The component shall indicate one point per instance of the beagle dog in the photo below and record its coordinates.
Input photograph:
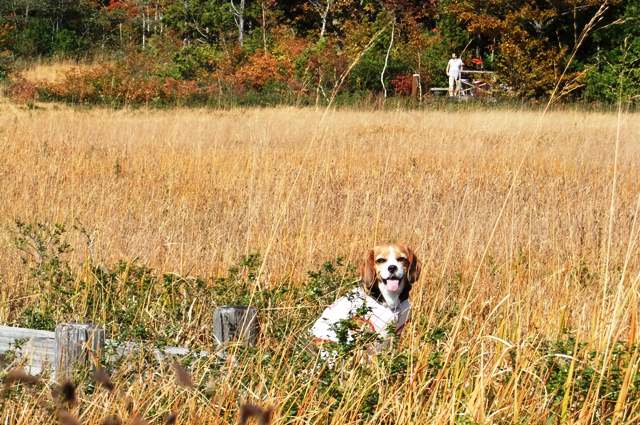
(381, 303)
(387, 273)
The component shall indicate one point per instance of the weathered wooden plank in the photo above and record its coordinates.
(73, 344)
(76, 344)
(16, 333)
(36, 348)
(464, 71)
(236, 323)
(123, 349)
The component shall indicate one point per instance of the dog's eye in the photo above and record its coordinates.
(402, 259)
(380, 260)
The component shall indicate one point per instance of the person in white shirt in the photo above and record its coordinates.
(454, 70)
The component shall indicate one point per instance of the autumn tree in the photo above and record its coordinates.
(313, 46)
(532, 40)
(6, 55)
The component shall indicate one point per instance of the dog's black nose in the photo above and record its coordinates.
(392, 268)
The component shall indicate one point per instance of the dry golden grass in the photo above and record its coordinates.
(514, 208)
(51, 72)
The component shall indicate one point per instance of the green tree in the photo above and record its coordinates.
(613, 72)
(48, 27)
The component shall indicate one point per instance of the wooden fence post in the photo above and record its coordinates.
(416, 89)
(75, 342)
(236, 323)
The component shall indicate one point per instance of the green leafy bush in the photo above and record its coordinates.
(614, 75)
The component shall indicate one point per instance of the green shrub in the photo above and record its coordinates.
(66, 42)
(616, 76)
(613, 74)
(34, 38)
(192, 61)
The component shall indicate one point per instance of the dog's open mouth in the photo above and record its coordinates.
(392, 284)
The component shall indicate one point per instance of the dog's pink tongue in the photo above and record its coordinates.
(393, 285)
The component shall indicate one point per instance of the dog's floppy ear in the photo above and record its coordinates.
(414, 266)
(368, 271)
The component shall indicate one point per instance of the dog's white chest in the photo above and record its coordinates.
(359, 306)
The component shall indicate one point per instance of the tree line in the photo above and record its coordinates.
(306, 49)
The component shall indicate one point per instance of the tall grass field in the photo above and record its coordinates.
(144, 221)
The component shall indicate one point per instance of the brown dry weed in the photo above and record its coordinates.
(191, 191)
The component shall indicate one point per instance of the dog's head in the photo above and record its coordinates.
(393, 267)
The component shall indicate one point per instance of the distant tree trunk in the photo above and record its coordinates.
(158, 19)
(238, 17)
(323, 10)
(264, 27)
(146, 24)
(325, 14)
(386, 58)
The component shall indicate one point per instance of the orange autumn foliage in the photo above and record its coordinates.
(263, 68)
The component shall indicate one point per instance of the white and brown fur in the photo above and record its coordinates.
(387, 275)
(385, 263)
